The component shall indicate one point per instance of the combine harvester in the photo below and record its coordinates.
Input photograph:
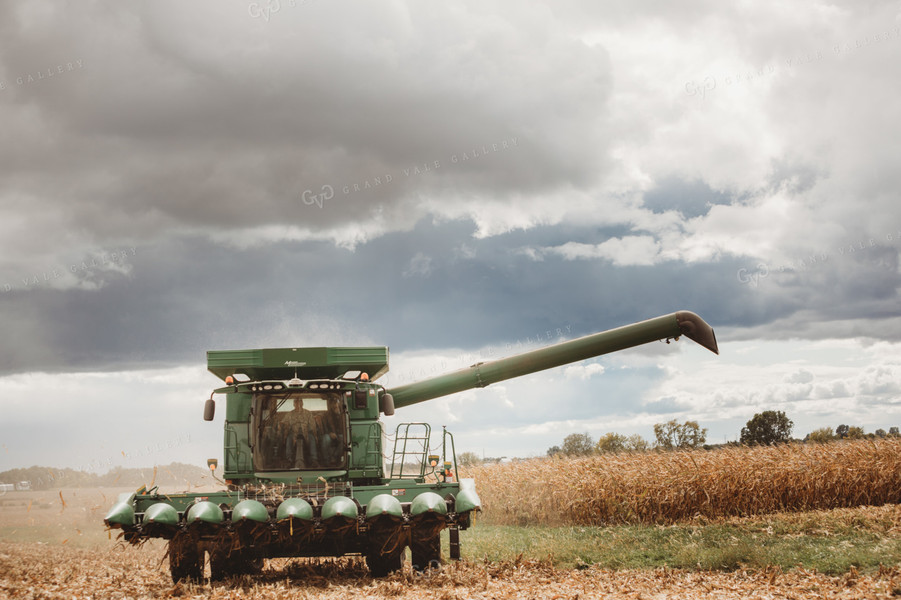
(306, 459)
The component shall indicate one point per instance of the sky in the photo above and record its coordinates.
(458, 182)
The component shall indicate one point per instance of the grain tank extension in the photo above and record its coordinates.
(310, 471)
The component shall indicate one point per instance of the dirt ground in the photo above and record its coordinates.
(36, 570)
(52, 545)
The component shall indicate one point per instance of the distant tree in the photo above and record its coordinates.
(880, 433)
(893, 431)
(469, 459)
(768, 427)
(554, 451)
(611, 442)
(577, 444)
(672, 435)
(855, 433)
(821, 435)
(637, 443)
(841, 432)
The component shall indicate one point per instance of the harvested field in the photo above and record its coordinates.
(669, 487)
(53, 545)
(50, 572)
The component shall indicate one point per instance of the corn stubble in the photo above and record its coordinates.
(668, 487)
(654, 488)
(51, 572)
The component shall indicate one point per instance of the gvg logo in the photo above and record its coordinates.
(695, 89)
(309, 198)
(271, 7)
(754, 276)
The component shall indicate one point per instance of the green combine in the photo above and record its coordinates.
(310, 470)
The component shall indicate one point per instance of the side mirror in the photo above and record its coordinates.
(209, 409)
(386, 404)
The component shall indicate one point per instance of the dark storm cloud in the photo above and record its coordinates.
(189, 295)
(243, 157)
(202, 118)
(846, 290)
(432, 287)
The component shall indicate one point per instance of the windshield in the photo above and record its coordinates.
(299, 431)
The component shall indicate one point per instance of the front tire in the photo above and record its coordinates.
(185, 558)
(386, 553)
(425, 551)
(224, 564)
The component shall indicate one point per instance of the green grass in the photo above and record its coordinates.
(813, 541)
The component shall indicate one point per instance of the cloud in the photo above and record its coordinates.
(234, 119)
(583, 371)
(626, 251)
(461, 182)
(800, 376)
(419, 266)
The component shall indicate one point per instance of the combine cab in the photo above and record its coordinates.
(310, 470)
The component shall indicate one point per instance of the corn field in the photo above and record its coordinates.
(666, 487)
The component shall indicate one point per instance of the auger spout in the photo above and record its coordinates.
(482, 374)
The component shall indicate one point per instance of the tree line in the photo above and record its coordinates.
(45, 478)
(667, 436)
(764, 428)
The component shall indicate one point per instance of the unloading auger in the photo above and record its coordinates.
(308, 467)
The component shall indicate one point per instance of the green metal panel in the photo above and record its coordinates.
(205, 512)
(250, 510)
(371, 411)
(295, 507)
(161, 514)
(339, 506)
(467, 500)
(305, 363)
(237, 407)
(122, 513)
(428, 502)
(482, 374)
(384, 504)
(236, 451)
(236, 442)
(366, 448)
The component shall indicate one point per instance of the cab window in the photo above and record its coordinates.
(300, 431)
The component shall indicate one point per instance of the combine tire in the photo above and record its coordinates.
(425, 551)
(185, 559)
(385, 554)
(384, 565)
(253, 566)
(224, 564)
(221, 564)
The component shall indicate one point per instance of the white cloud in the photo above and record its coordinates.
(583, 371)
(800, 376)
(625, 251)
